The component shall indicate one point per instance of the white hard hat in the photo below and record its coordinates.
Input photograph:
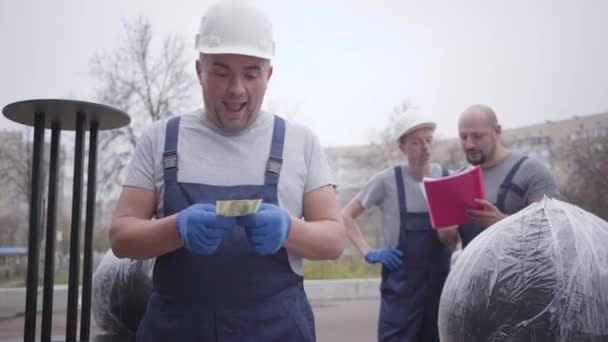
(411, 122)
(235, 27)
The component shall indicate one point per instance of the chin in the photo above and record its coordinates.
(234, 122)
(474, 161)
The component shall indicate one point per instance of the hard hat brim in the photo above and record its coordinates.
(236, 50)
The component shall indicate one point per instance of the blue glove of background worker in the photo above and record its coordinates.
(267, 229)
(391, 258)
(201, 229)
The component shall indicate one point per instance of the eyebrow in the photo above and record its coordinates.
(247, 68)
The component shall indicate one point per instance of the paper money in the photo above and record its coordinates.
(237, 207)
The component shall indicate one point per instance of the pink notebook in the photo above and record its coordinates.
(449, 197)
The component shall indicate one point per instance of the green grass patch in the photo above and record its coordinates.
(61, 278)
(344, 267)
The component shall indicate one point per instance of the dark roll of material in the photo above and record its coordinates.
(538, 275)
(121, 289)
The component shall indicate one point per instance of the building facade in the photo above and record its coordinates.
(550, 142)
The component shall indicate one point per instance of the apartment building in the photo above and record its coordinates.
(548, 142)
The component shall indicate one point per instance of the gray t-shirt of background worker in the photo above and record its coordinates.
(381, 191)
(532, 177)
(209, 155)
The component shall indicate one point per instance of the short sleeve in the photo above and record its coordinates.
(319, 172)
(140, 172)
(373, 193)
(541, 182)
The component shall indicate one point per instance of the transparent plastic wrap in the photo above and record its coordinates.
(538, 275)
(121, 289)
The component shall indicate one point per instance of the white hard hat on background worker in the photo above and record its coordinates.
(411, 122)
(235, 27)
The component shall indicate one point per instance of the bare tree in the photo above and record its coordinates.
(587, 162)
(387, 152)
(383, 153)
(147, 83)
(15, 173)
(452, 156)
(15, 166)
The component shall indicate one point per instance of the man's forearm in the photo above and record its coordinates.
(318, 240)
(137, 238)
(448, 236)
(353, 232)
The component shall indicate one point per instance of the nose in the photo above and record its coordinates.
(236, 87)
(427, 146)
(467, 143)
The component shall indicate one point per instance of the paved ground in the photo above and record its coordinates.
(344, 321)
(347, 321)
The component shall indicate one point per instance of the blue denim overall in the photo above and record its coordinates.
(410, 295)
(469, 231)
(233, 294)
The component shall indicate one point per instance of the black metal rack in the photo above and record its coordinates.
(62, 115)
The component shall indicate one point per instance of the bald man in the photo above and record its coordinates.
(512, 180)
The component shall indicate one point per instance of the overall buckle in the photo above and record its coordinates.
(170, 160)
(274, 164)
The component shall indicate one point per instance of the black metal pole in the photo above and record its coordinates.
(87, 267)
(33, 244)
(51, 223)
(72, 310)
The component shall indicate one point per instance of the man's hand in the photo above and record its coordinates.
(201, 229)
(486, 217)
(391, 258)
(448, 235)
(267, 229)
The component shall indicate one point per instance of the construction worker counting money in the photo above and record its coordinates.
(228, 243)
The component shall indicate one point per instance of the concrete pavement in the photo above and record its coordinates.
(347, 320)
(336, 320)
(12, 299)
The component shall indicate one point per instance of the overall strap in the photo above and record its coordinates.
(169, 160)
(507, 185)
(170, 152)
(275, 159)
(402, 203)
(444, 172)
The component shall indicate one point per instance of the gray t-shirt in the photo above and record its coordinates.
(532, 177)
(381, 191)
(209, 155)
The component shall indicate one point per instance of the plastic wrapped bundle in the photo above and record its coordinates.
(538, 275)
(121, 289)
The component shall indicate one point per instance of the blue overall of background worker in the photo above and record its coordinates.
(512, 180)
(220, 278)
(416, 257)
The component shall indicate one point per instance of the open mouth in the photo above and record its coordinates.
(234, 107)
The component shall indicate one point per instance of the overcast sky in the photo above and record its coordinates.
(341, 66)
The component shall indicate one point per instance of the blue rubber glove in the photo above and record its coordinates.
(201, 229)
(391, 258)
(267, 229)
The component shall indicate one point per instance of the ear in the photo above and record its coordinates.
(199, 71)
(270, 69)
(402, 147)
(498, 129)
